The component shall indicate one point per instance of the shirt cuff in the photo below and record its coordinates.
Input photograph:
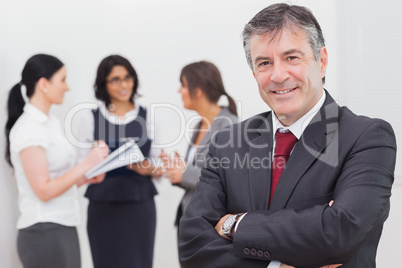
(274, 264)
(238, 221)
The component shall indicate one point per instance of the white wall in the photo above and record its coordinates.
(159, 38)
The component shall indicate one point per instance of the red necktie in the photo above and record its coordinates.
(284, 145)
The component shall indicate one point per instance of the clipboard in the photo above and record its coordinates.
(126, 154)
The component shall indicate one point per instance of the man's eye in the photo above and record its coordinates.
(263, 64)
(291, 58)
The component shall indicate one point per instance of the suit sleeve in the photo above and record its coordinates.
(199, 243)
(321, 234)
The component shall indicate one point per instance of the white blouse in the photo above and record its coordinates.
(191, 153)
(35, 128)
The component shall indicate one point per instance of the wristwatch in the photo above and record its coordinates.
(228, 225)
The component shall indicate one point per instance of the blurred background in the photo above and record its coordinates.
(159, 37)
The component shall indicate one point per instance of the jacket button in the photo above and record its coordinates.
(253, 252)
(246, 251)
(260, 253)
(267, 255)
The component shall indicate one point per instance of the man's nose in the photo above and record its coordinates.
(279, 73)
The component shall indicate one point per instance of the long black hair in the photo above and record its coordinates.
(38, 66)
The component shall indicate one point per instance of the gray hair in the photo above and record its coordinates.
(274, 18)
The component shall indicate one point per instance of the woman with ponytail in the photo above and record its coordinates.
(201, 88)
(44, 165)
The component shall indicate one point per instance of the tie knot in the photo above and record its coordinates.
(284, 143)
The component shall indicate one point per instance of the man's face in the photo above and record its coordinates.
(287, 74)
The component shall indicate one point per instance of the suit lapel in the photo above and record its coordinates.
(260, 147)
(315, 138)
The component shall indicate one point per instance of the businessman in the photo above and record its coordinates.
(306, 184)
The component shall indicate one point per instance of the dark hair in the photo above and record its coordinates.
(274, 18)
(206, 76)
(38, 66)
(104, 69)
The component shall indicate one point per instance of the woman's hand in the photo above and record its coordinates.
(96, 179)
(99, 152)
(146, 168)
(173, 167)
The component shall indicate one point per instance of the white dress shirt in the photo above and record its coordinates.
(35, 128)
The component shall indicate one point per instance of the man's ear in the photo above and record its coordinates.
(323, 61)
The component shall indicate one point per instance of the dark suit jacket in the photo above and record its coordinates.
(340, 156)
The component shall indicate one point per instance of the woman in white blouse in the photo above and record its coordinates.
(44, 166)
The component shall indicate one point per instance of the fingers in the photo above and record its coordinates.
(282, 265)
(173, 167)
(157, 172)
(146, 168)
(174, 175)
(101, 147)
(133, 166)
(99, 144)
(98, 179)
(171, 175)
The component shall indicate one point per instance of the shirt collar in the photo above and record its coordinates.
(35, 113)
(128, 117)
(298, 127)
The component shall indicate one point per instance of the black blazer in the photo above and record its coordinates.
(340, 156)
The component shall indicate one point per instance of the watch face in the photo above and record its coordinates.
(228, 222)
